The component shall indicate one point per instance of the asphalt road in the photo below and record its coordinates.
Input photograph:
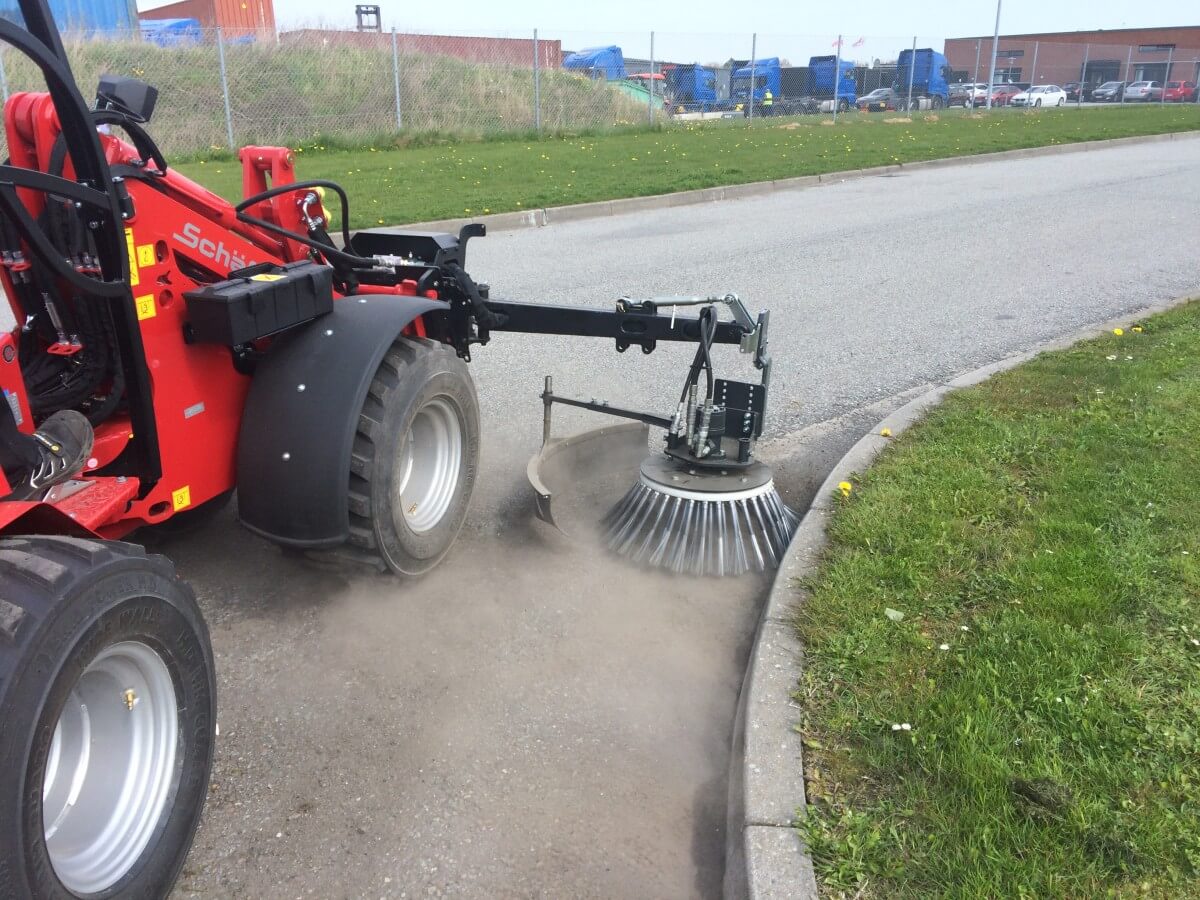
(535, 720)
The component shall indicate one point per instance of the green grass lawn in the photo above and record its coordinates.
(396, 186)
(1030, 727)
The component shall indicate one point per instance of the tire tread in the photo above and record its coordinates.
(37, 571)
(363, 545)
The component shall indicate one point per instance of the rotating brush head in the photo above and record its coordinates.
(701, 521)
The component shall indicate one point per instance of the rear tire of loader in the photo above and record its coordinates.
(108, 705)
(415, 457)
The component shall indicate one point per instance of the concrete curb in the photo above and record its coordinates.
(555, 215)
(764, 856)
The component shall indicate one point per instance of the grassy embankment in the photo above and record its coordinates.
(336, 95)
(453, 179)
(1002, 668)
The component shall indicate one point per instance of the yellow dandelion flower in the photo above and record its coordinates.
(845, 487)
(1118, 331)
(885, 432)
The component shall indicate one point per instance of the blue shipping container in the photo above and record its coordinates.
(87, 17)
(172, 32)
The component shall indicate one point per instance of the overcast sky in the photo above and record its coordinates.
(708, 32)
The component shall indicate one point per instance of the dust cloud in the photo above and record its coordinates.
(535, 716)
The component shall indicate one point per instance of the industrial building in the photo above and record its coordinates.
(1124, 54)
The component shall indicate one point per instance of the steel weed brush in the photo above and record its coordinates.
(702, 522)
(705, 505)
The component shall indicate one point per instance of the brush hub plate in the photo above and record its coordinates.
(672, 477)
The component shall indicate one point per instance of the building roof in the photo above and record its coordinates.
(1050, 35)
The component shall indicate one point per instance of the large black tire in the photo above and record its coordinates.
(108, 706)
(406, 508)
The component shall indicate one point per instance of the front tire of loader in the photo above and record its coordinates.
(107, 707)
(415, 457)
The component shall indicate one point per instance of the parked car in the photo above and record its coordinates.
(1109, 92)
(1144, 91)
(1041, 95)
(959, 94)
(1180, 92)
(1073, 90)
(1002, 94)
(878, 100)
(976, 96)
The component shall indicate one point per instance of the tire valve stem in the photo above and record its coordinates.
(130, 698)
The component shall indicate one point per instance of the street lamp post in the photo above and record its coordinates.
(995, 47)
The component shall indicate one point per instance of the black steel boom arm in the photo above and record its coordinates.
(632, 324)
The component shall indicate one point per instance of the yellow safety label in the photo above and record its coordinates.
(182, 498)
(145, 307)
(133, 265)
(145, 255)
(265, 276)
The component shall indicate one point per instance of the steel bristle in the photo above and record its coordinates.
(700, 537)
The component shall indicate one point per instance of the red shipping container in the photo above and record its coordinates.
(234, 17)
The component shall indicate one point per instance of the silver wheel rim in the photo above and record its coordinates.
(427, 465)
(110, 767)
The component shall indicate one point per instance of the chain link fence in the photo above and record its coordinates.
(355, 88)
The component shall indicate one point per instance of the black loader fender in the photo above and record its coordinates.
(297, 430)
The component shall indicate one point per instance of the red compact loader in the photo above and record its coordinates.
(217, 348)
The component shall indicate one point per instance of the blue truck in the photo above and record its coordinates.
(600, 63)
(794, 89)
(929, 74)
(691, 87)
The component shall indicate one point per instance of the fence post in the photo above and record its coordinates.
(995, 47)
(537, 86)
(837, 76)
(650, 92)
(912, 65)
(1167, 75)
(1087, 49)
(396, 80)
(3, 78)
(978, 44)
(225, 88)
(753, 51)
(1128, 66)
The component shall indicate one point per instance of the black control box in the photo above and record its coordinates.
(259, 301)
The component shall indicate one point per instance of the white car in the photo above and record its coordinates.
(976, 95)
(1041, 95)
(1145, 91)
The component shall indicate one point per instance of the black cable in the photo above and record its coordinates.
(702, 360)
(327, 250)
(706, 339)
(470, 290)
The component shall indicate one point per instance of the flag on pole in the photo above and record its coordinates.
(859, 42)
(836, 43)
